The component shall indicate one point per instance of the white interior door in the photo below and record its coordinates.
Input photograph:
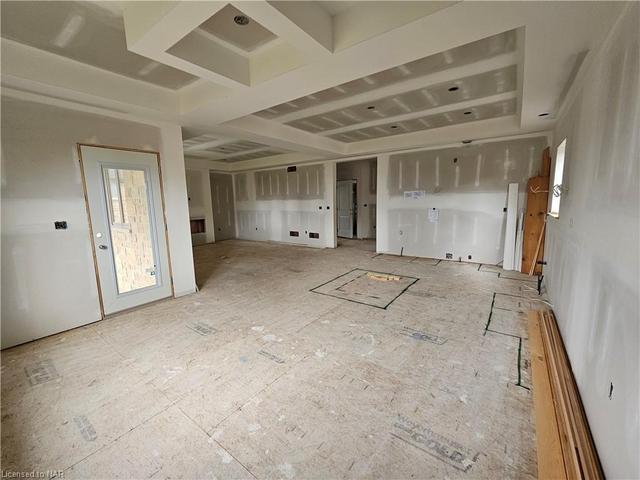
(128, 229)
(344, 198)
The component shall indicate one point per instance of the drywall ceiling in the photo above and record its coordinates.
(337, 7)
(226, 149)
(87, 32)
(227, 25)
(337, 79)
(473, 52)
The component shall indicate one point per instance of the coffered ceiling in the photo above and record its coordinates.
(255, 81)
(86, 32)
(226, 149)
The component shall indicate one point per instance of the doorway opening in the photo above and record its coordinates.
(356, 191)
(223, 206)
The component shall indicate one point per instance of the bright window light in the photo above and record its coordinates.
(556, 192)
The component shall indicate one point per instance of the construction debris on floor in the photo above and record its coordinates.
(289, 363)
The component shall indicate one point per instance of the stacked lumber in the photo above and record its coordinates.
(535, 218)
(565, 446)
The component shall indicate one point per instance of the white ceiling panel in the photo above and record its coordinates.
(453, 117)
(254, 155)
(482, 49)
(235, 147)
(468, 88)
(247, 37)
(86, 32)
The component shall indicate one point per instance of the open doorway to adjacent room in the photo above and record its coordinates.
(356, 190)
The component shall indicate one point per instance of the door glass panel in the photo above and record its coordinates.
(131, 238)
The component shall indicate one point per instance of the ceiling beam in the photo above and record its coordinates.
(281, 136)
(247, 152)
(156, 26)
(477, 102)
(33, 70)
(210, 144)
(508, 125)
(305, 25)
(164, 31)
(425, 81)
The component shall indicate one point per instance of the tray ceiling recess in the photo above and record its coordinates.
(234, 28)
(473, 82)
(227, 150)
(88, 33)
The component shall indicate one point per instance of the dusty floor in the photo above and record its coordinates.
(258, 376)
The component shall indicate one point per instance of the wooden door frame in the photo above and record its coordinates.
(86, 204)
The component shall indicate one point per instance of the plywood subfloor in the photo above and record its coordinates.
(256, 376)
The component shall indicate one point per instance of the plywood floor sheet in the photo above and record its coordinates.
(257, 376)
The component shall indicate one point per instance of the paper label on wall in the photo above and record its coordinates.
(415, 194)
(434, 215)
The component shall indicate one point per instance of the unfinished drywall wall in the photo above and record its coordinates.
(592, 274)
(199, 192)
(294, 206)
(364, 172)
(48, 277)
(450, 202)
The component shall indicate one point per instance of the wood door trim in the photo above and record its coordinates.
(86, 203)
(93, 246)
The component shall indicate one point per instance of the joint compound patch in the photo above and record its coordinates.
(425, 439)
(85, 427)
(422, 336)
(41, 372)
(201, 328)
(271, 356)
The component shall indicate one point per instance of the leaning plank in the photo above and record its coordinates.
(549, 450)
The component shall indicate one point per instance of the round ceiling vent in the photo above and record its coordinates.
(241, 20)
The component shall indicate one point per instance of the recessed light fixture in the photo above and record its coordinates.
(543, 114)
(393, 126)
(454, 88)
(241, 20)
(371, 107)
(468, 112)
(466, 141)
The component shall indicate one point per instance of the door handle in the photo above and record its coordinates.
(102, 247)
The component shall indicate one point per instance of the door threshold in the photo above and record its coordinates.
(137, 307)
